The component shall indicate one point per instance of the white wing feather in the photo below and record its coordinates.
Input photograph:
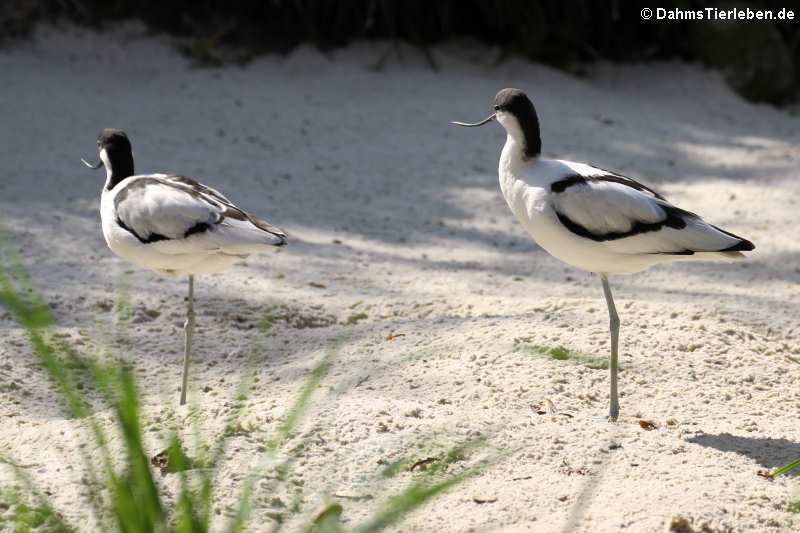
(160, 208)
(611, 209)
(607, 207)
(171, 206)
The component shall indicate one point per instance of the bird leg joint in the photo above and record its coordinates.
(190, 320)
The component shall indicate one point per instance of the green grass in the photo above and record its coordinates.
(786, 468)
(560, 353)
(28, 511)
(123, 494)
(794, 506)
(354, 318)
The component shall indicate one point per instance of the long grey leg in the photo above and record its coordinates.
(189, 329)
(613, 409)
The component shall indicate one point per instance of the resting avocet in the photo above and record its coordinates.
(595, 219)
(172, 224)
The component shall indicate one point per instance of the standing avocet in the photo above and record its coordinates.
(595, 219)
(172, 224)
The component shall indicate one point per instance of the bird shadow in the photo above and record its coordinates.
(768, 452)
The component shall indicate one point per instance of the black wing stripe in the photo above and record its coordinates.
(563, 184)
(570, 181)
(674, 218)
(200, 227)
(153, 237)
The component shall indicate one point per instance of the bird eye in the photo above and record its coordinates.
(497, 108)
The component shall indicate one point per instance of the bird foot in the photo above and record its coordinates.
(607, 418)
(604, 418)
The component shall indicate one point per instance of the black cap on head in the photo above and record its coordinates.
(111, 137)
(517, 103)
(513, 100)
(120, 155)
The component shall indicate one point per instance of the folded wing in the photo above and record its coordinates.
(631, 218)
(179, 215)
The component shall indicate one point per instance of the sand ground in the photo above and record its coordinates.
(397, 224)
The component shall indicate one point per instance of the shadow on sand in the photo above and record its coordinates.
(770, 453)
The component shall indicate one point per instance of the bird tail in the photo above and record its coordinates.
(238, 237)
(705, 241)
(278, 234)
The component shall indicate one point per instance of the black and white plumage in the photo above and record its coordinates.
(172, 224)
(595, 219)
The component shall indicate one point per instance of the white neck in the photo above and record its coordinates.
(107, 165)
(511, 161)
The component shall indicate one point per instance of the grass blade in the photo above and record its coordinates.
(782, 470)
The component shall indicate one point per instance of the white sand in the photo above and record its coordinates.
(399, 216)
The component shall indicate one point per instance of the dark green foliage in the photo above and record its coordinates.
(761, 60)
(755, 59)
(17, 17)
